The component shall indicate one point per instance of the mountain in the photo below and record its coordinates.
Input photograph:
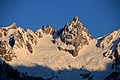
(73, 37)
(70, 53)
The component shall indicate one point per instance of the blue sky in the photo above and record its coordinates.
(98, 16)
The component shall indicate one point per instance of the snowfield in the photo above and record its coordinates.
(49, 53)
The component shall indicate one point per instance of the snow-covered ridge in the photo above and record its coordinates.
(73, 37)
(110, 43)
(13, 37)
(47, 52)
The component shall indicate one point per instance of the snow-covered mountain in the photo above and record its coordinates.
(70, 53)
(73, 37)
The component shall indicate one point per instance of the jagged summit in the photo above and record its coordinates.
(12, 26)
(76, 19)
(74, 36)
(47, 52)
(13, 37)
(111, 44)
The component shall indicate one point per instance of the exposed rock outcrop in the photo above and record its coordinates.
(73, 37)
(29, 47)
(97, 58)
(11, 36)
(111, 44)
(45, 31)
(1, 32)
(31, 36)
(108, 39)
(19, 37)
(48, 30)
(39, 33)
(6, 52)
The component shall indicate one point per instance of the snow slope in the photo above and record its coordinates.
(96, 60)
(47, 55)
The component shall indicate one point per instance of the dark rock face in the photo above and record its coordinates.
(0, 34)
(25, 39)
(74, 34)
(31, 37)
(6, 54)
(48, 30)
(8, 57)
(29, 47)
(39, 33)
(21, 37)
(19, 40)
(45, 30)
(3, 32)
(2, 49)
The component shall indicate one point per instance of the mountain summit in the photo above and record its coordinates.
(74, 36)
(70, 53)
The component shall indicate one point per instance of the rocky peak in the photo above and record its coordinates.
(25, 39)
(108, 39)
(31, 36)
(111, 44)
(4, 30)
(13, 26)
(39, 33)
(75, 35)
(45, 30)
(16, 37)
(75, 20)
(48, 29)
